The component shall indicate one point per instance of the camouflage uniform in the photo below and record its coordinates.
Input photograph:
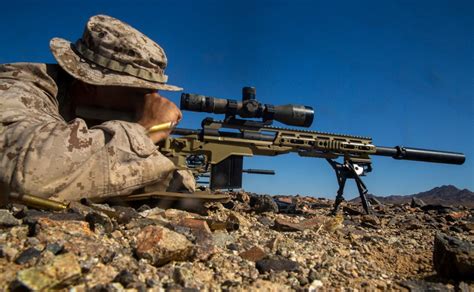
(42, 154)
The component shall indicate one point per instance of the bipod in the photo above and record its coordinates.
(343, 172)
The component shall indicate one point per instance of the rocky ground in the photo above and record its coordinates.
(251, 243)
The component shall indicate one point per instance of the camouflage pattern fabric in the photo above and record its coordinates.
(43, 155)
(112, 52)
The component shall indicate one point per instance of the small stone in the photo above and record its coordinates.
(142, 208)
(242, 197)
(7, 219)
(54, 248)
(412, 224)
(463, 287)
(29, 255)
(233, 246)
(351, 211)
(141, 223)
(18, 210)
(125, 278)
(152, 213)
(277, 264)
(108, 256)
(32, 241)
(302, 280)
(20, 232)
(161, 245)
(264, 220)
(150, 283)
(334, 223)
(177, 215)
(273, 243)
(109, 287)
(221, 238)
(59, 272)
(285, 200)
(315, 285)
(313, 275)
(253, 254)
(183, 276)
(8, 252)
(467, 226)
(456, 229)
(79, 208)
(453, 258)
(455, 216)
(196, 225)
(100, 274)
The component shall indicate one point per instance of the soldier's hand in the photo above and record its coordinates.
(157, 110)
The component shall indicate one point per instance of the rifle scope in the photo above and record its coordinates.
(249, 107)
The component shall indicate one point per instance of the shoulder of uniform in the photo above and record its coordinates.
(33, 74)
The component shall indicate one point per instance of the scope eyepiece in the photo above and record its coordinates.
(249, 107)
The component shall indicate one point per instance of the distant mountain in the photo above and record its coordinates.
(445, 195)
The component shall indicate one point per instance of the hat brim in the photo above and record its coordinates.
(91, 73)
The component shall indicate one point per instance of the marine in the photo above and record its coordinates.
(48, 150)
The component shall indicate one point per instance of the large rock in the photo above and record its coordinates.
(420, 285)
(334, 223)
(264, 285)
(7, 219)
(282, 224)
(29, 255)
(75, 236)
(370, 221)
(161, 245)
(276, 263)
(238, 220)
(63, 269)
(253, 254)
(453, 258)
(261, 204)
(202, 236)
(417, 203)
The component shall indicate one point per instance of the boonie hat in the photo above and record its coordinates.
(113, 53)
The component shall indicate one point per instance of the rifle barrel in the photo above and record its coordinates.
(259, 171)
(426, 155)
(184, 131)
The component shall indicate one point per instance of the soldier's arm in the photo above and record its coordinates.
(45, 156)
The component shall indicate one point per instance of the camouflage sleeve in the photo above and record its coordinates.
(43, 155)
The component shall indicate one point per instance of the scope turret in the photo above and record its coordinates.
(249, 107)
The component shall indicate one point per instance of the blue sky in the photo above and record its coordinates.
(401, 72)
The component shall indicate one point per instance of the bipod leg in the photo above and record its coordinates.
(362, 189)
(341, 180)
(340, 195)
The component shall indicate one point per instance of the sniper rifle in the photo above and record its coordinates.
(217, 149)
